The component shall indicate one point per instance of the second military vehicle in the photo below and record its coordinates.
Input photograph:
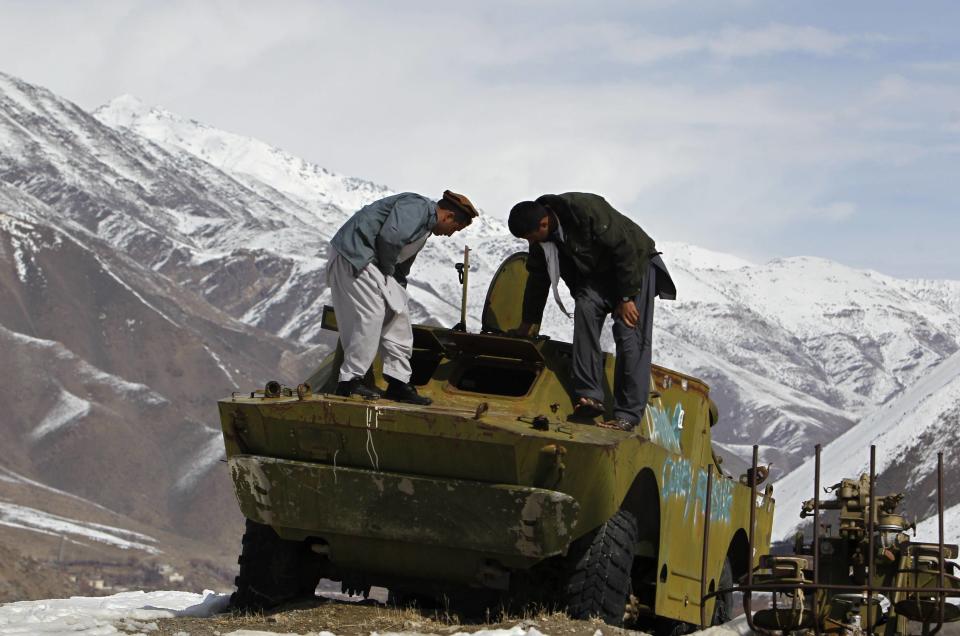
(493, 492)
(862, 573)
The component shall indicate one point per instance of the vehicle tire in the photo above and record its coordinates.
(273, 570)
(598, 570)
(723, 608)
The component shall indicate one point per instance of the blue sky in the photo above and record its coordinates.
(765, 129)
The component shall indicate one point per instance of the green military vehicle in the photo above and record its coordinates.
(493, 492)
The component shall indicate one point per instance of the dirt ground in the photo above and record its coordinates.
(346, 618)
(352, 618)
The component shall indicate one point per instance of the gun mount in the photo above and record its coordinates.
(870, 577)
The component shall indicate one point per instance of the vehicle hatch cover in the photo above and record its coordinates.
(490, 345)
(503, 307)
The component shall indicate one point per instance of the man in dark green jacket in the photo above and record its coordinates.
(611, 267)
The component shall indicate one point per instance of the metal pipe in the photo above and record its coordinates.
(816, 538)
(747, 597)
(872, 511)
(466, 276)
(706, 547)
(845, 587)
(942, 598)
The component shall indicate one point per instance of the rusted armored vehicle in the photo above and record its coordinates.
(862, 572)
(494, 491)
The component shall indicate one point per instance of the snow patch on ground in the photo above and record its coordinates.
(137, 612)
(17, 516)
(67, 411)
(117, 614)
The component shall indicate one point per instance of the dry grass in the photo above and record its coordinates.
(355, 619)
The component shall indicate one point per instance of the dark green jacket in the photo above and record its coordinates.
(599, 244)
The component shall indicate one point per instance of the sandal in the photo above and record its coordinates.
(618, 424)
(588, 407)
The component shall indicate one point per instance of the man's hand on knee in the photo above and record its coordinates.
(628, 313)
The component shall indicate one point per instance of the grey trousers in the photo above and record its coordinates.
(366, 322)
(631, 383)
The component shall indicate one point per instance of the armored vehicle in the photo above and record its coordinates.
(862, 573)
(494, 491)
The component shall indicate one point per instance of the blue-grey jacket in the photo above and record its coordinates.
(377, 232)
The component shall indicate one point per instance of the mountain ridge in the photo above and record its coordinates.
(215, 244)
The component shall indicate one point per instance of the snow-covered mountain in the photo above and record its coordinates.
(908, 432)
(291, 308)
(150, 263)
(795, 349)
(802, 348)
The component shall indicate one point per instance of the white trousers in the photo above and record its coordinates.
(372, 315)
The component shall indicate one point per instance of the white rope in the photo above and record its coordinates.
(374, 416)
(335, 466)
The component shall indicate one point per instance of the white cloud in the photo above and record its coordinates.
(778, 38)
(730, 42)
(937, 66)
(834, 212)
(505, 101)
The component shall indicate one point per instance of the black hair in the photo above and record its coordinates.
(459, 215)
(525, 217)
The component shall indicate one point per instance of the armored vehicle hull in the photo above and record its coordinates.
(495, 487)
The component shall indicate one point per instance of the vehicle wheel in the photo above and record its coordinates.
(723, 608)
(598, 570)
(272, 570)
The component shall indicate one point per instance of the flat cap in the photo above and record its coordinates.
(461, 203)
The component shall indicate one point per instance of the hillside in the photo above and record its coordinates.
(150, 264)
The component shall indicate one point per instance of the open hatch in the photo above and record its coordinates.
(495, 365)
(503, 306)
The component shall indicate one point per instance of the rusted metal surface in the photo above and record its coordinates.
(940, 556)
(871, 518)
(838, 597)
(502, 307)
(747, 599)
(528, 522)
(816, 538)
(492, 477)
(704, 572)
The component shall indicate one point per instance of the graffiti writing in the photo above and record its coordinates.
(663, 428)
(680, 481)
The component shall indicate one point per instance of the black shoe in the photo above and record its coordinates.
(404, 392)
(620, 424)
(357, 387)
